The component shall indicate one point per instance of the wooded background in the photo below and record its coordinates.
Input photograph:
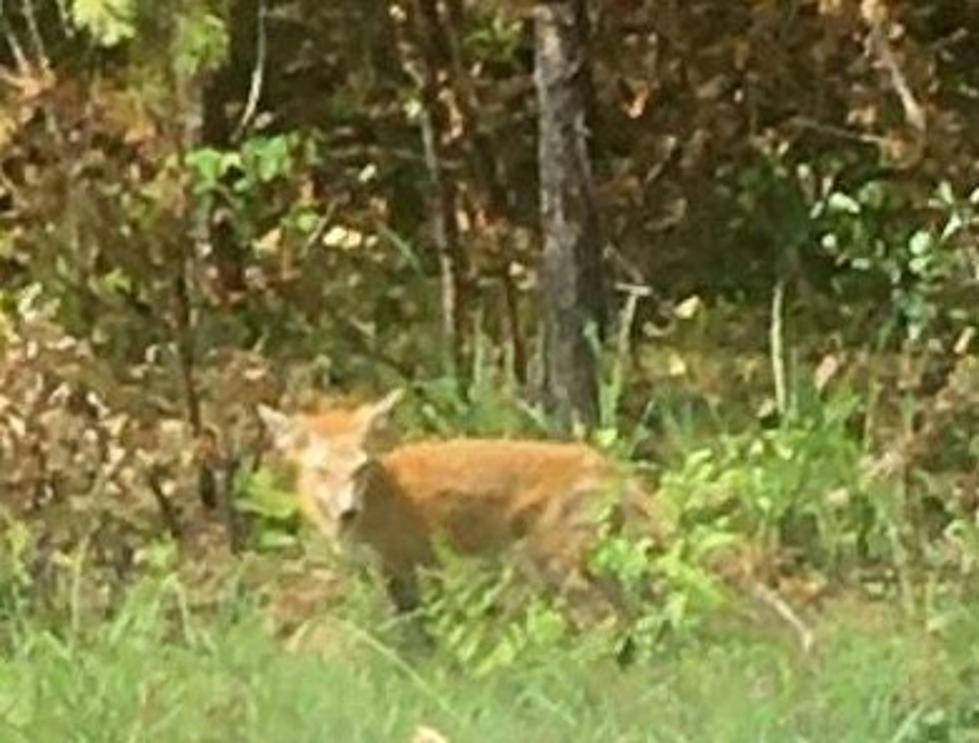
(205, 205)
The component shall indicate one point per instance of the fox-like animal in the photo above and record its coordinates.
(477, 494)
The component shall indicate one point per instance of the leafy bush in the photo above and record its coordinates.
(796, 487)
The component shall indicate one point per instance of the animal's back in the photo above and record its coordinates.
(485, 493)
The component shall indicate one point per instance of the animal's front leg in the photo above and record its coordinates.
(402, 587)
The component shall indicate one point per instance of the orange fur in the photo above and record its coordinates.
(479, 494)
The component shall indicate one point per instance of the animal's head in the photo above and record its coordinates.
(332, 452)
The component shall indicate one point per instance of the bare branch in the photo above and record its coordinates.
(258, 72)
(913, 111)
(37, 40)
(20, 58)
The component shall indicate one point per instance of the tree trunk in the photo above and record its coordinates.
(572, 280)
(441, 149)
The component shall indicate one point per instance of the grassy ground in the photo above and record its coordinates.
(293, 653)
(155, 673)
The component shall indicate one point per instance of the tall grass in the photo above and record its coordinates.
(155, 671)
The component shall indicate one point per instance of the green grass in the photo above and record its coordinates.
(156, 673)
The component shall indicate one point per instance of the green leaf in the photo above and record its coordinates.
(117, 280)
(955, 224)
(606, 437)
(920, 264)
(273, 159)
(946, 194)
(262, 497)
(108, 21)
(207, 165)
(307, 221)
(273, 539)
(921, 242)
(841, 202)
(201, 43)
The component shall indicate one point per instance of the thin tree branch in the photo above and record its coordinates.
(258, 72)
(35, 34)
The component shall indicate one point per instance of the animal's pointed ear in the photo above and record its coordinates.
(282, 427)
(375, 417)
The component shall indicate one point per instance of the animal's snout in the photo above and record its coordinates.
(340, 516)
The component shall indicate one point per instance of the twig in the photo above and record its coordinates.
(612, 253)
(634, 290)
(779, 605)
(20, 58)
(319, 230)
(913, 111)
(777, 343)
(66, 25)
(36, 40)
(838, 131)
(258, 72)
(165, 505)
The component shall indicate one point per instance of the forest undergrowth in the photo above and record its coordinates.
(804, 525)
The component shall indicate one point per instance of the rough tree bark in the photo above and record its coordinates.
(572, 282)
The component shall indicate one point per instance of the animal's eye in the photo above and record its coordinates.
(361, 467)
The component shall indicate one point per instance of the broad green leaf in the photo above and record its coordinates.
(207, 164)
